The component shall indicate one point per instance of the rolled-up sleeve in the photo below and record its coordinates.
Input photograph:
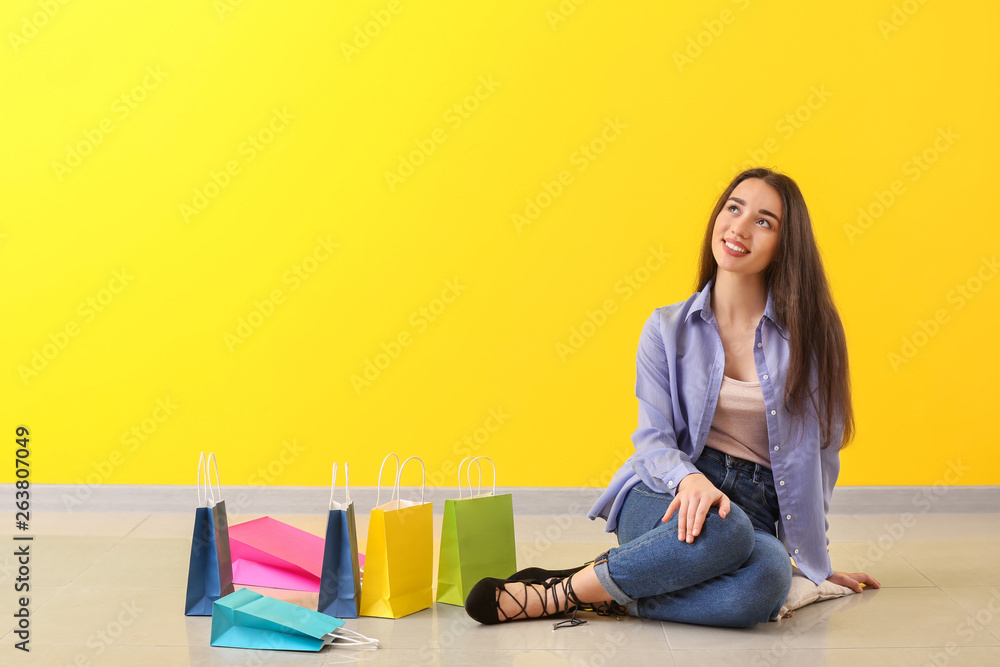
(657, 460)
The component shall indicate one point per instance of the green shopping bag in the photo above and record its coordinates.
(477, 538)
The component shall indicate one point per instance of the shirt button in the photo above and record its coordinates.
(670, 483)
(782, 482)
(758, 344)
(765, 377)
(773, 412)
(788, 516)
(775, 448)
(796, 551)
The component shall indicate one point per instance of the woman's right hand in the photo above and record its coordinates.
(695, 495)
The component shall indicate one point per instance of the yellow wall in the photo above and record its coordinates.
(211, 222)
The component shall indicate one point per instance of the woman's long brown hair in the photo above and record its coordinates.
(804, 306)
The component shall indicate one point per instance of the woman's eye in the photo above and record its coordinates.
(765, 221)
(734, 206)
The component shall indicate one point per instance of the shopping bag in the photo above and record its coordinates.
(268, 552)
(340, 581)
(477, 538)
(247, 619)
(398, 561)
(210, 570)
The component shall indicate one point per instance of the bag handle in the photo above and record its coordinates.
(208, 480)
(423, 478)
(347, 486)
(378, 495)
(468, 476)
(345, 637)
(202, 470)
(460, 464)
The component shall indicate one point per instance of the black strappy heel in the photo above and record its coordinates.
(483, 602)
(537, 575)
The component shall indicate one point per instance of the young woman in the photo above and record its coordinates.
(744, 404)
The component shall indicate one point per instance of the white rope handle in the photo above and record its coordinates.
(345, 637)
(378, 494)
(423, 479)
(468, 472)
(208, 478)
(202, 470)
(347, 485)
(460, 464)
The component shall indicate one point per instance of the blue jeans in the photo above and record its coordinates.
(736, 572)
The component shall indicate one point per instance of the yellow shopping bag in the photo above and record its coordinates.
(399, 553)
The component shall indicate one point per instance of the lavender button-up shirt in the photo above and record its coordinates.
(679, 369)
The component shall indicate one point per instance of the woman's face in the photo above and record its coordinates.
(750, 220)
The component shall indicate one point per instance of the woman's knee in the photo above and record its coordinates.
(737, 531)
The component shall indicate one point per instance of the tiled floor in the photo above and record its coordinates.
(108, 589)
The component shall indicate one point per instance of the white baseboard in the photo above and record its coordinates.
(527, 500)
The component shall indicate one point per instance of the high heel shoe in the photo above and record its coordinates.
(537, 575)
(483, 602)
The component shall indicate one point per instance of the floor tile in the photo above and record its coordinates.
(55, 560)
(782, 656)
(965, 562)
(879, 560)
(927, 526)
(99, 617)
(981, 604)
(872, 619)
(449, 627)
(92, 524)
(108, 589)
(156, 563)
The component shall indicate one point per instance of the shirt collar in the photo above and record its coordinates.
(703, 304)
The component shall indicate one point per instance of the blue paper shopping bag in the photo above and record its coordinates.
(247, 619)
(210, 570)
(340, 581)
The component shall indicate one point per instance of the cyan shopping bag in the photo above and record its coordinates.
(399, 555)
(247, 619)
(340, 583)
(210, 571)
(477, 538)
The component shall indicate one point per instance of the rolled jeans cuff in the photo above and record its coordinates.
(612, 588)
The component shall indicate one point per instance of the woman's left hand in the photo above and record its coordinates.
(853, 580)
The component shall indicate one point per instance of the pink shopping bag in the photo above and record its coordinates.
(268, 552)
